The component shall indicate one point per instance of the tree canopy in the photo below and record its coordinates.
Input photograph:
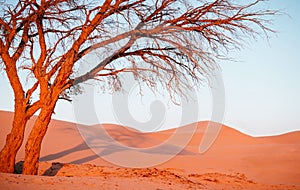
(169, 42)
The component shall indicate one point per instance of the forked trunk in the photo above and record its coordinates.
(14, 139)
(34, 142)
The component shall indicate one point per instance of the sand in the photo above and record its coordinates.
(234, 161)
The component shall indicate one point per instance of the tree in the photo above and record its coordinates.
(167, 42)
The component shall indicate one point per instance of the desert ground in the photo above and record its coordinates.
(234, 161)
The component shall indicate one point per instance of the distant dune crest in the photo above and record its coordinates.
(266, 160)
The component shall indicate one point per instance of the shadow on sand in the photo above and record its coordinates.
(109, 144)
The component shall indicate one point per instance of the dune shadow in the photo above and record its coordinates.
(116, 140)
(53, 170)
(18, 167)
(85, 159)
(79, 147)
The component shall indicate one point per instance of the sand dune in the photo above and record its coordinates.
(235, 160)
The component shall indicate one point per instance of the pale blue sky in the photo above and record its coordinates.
(263, 91)
(262, 87)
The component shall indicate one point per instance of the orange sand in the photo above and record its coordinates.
(234, 161)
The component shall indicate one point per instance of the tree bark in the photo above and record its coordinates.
(34, 141)
(14, 139)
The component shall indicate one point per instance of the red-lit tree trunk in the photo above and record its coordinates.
(14, 139)
(36, 136)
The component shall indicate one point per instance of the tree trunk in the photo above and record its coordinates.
(34, 141)
(14, 140)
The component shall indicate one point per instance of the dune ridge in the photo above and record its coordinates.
(234, 160)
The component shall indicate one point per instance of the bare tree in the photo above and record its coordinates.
(169, 42)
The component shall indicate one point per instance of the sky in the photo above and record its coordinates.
(261, 89)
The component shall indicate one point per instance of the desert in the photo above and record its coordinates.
(234, 161)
